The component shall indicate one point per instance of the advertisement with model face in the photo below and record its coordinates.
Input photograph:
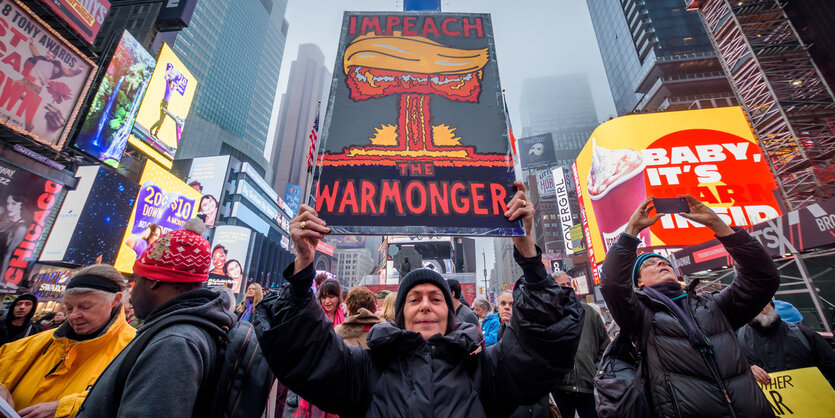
(42, 76)
(164, 203)
(26, 202)
(207, 176)
(710, 154)
(162, 114)
(230, 248)
(106, 127)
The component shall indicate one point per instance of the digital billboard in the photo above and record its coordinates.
(164, 108)
(350, 241)
(415, 141)
(293, 198)
(545, 184)
(207, 176)
(92, 219)
(563, 207)
(229, 254)
(106, 128)
(537, 151)
(711, 154)
(42, 77)
(26, 201)
(85, 17)
(164, 203)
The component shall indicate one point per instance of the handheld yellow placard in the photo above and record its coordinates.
(800, 393)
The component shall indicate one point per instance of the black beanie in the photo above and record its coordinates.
(421, 276)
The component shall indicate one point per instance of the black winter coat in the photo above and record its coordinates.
(681, 382)
(401, 374)
(776, 348)
(593, 343)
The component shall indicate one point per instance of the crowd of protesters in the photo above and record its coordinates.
(163, 347)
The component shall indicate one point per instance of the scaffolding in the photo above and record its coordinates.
(789, 104)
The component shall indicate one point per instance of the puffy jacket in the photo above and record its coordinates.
(9, 333)
(490, 328)
(26, 365)
(593, 343)
(777, 348)
(170, 370)
(354, 331)
(681, 382)
(401, 374)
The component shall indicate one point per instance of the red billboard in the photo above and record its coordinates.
(84, 16)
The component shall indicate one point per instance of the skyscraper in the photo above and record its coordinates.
(234, 50)
(306, 86)
(657, 57)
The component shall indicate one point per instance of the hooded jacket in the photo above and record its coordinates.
(9, 333)
(173, 366)
(593, 343)
(490, 328)
(50, 367)
(401, 374)
(681, 381)
(354, 331)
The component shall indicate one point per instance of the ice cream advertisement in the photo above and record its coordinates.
(711, 154)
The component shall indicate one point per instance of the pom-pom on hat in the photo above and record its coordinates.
(181, 256)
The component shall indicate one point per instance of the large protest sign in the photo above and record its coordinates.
(801, 393)
(415, 140)
(42, 76)
(711, 154)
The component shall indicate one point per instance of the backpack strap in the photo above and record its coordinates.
(137, 346)
(800, 336)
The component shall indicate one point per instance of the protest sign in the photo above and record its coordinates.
(415, 139)
(801, 393)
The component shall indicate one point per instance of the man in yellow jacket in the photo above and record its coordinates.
(48, 374)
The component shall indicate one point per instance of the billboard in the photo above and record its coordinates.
(416, 140)
(710, 154)
(537, 151)
(85, 17)
(164, 108)
(175, 14)
(350, 241)
(92, 218)
(26, 201)
(106, 128)
(563, 207)
(207, 176)
(164, 203)
(545, 184)
(229, 251)
(797, 231)
(293, 198)
(42, 77)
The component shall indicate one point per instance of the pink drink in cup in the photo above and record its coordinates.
(616, 187)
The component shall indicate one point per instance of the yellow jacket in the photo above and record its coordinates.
(25, 366)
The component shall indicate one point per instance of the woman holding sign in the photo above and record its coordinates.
(426, 363)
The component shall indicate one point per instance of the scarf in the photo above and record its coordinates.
(697, 338)
(247, 314)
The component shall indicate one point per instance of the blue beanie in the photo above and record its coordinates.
(788, 312)
(637, 266)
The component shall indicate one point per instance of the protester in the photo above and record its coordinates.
(388, 307)
(52, 320)
(575, 392)
(354, 331)
(694, 364)
(772, 344)
(18, 322)
(379, 299)
(505, 311)
(254, 294)
(462, 312)
(489, 320)
(130, 314)
(48, 374)
(178, 361)
(330, 299)
(422, 364)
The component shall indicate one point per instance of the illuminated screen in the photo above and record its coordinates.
(164, 203)
(163, 111)
(229, 250)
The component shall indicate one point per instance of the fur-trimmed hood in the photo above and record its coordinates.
(357, 325)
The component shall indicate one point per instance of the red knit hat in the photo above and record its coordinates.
(181, 256)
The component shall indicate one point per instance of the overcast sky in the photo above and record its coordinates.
(534, 38)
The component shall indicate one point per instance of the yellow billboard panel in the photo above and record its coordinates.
(711, 154)
(164, 203)
(162, 114)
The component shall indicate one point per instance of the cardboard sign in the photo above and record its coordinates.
(415, 139)
(801, 393)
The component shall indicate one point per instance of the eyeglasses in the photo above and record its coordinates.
(654, 261)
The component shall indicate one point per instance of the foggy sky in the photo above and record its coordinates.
(534, 38)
